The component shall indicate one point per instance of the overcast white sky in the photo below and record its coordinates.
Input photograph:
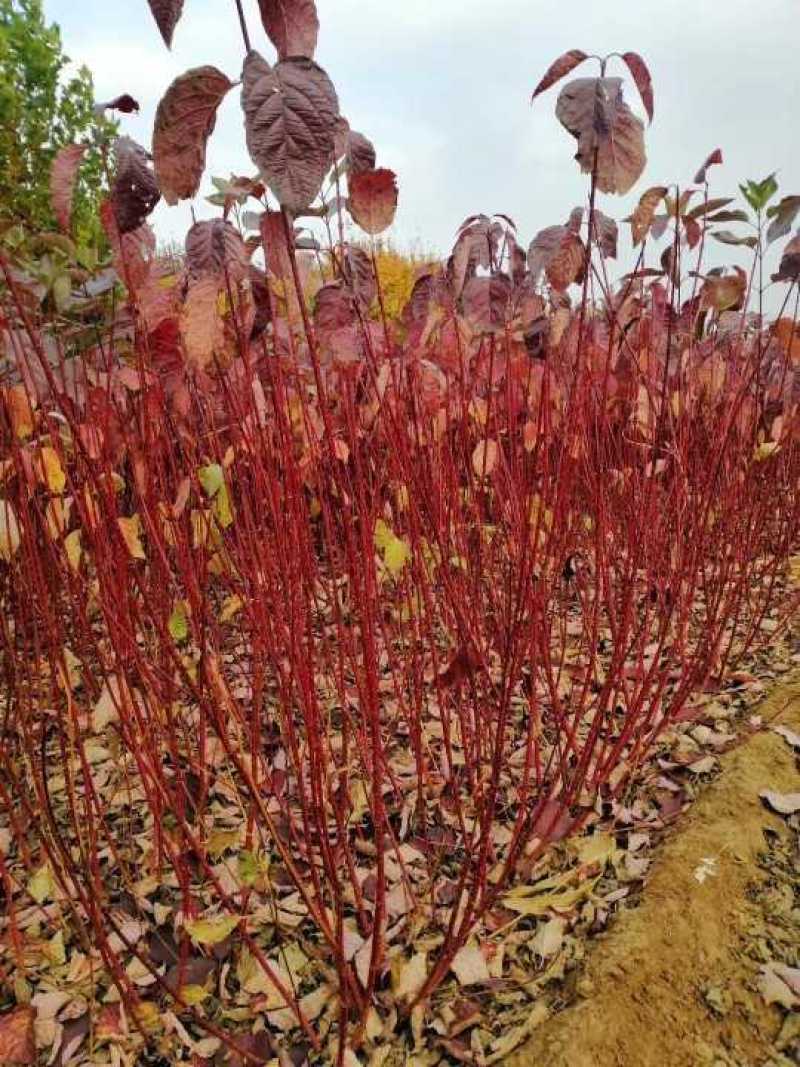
(442, 87)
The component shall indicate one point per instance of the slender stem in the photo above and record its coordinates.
(243, 24)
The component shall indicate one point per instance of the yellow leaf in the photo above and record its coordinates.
(41, 886)
(72, 546)
(50, 470)
(20, 411)
(212, 931)
(396, 554)
(57, 515)
(9, 531)
(130, 528)
(230, 607)
(763, 452)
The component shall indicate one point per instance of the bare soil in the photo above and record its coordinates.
(679, 980)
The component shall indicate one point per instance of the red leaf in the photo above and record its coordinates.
(464, 664)
(166, 13)
(715, 157)
(373, 199)
(17, 1045)
(62, 181)
(291, 25)
(641, 75)
(556, 71)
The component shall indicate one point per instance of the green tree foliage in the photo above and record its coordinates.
(42, 109)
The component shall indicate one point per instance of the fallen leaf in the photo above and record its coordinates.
(783, 803)
(469, 965)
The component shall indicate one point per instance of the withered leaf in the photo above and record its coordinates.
(185, 119)
(607, 131)
(642, 218)
(135, 191)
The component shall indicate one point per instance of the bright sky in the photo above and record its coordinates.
(442, 87)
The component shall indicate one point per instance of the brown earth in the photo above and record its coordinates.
(676, 980)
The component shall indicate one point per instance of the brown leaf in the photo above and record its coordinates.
(641, 75)
(609, 135)
(185, 119)
(359, 153)
(17, 1045)
(291, 25)
(359, 274)
(201, 325)
(783, 216)
(125, 103)
(783, 803)
(642, 218)
(559, 69)
(135, 191)
(789, 267)
(711, 160)
(276, 251)
(290, 119)
(214, 246)
(62, 181)
(166, 13)
(724, 292)
(606, 232)
(373, 199)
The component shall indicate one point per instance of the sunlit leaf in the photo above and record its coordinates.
(212, 931)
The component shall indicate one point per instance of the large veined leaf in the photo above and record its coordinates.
(214, 246)
(290, 120)
(62, 181)
(291, 25)
(594, 112)
(135, 191)
(372, 199)
(486, 302)
(185, 120)
(166, 13)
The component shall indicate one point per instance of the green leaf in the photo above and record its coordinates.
(222, 507)
(758, 194)
(212, 931)
(249, 866)
(178, 622)
(211, 478)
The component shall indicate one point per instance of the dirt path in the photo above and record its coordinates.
(675, 983)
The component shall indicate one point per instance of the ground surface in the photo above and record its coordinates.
(685, 978)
